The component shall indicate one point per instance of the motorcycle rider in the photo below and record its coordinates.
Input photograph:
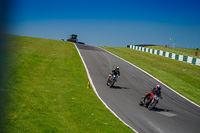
(156, 91)
(115, 72)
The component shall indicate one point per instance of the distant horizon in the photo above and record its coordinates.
(168, 45)
(107, 22)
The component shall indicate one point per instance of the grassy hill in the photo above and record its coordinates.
(45, 90)
(180, 76)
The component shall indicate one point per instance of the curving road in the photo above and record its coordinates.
(173, 114)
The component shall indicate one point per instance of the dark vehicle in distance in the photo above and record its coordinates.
(73, 38)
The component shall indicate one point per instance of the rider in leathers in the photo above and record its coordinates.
(115, 72)
(156, 91)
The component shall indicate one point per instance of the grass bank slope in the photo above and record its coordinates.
(179, 51)
(180, 76)
(45, 90)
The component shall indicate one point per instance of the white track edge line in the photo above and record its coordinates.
(152, 77)
(91, 82)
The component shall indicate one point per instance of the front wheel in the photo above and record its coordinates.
(112, 84)
(152, 105)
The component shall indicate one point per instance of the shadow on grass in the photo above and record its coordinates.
(3, 114)
(3, 93)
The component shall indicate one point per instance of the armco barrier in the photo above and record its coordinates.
(187, 59)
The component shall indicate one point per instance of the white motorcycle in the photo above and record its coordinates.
(111, 80)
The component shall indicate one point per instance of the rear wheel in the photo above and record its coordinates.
(141, 101)
(141, 104)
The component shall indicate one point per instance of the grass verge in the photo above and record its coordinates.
(180, 76)
(45, 90)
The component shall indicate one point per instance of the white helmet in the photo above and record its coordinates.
(158, 87)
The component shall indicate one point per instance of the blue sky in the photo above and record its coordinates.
(109, 22)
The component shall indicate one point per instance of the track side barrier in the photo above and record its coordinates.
(183, 58)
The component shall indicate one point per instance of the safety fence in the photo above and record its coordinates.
(187, 59)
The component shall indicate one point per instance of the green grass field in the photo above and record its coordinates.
(179, 51)
(45, 90)
(180, 76)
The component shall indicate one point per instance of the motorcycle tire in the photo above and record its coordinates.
(152, 105)
(141, 103)
(112, 84)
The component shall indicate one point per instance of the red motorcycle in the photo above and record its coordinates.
(150, 101)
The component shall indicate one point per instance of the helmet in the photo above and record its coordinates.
(117, 68)
(158, 87)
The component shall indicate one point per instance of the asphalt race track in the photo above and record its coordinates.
(173, 114)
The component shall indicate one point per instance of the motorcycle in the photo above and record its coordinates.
(150, 101)
(111, 80)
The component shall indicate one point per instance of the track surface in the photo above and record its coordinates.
(172, 114)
